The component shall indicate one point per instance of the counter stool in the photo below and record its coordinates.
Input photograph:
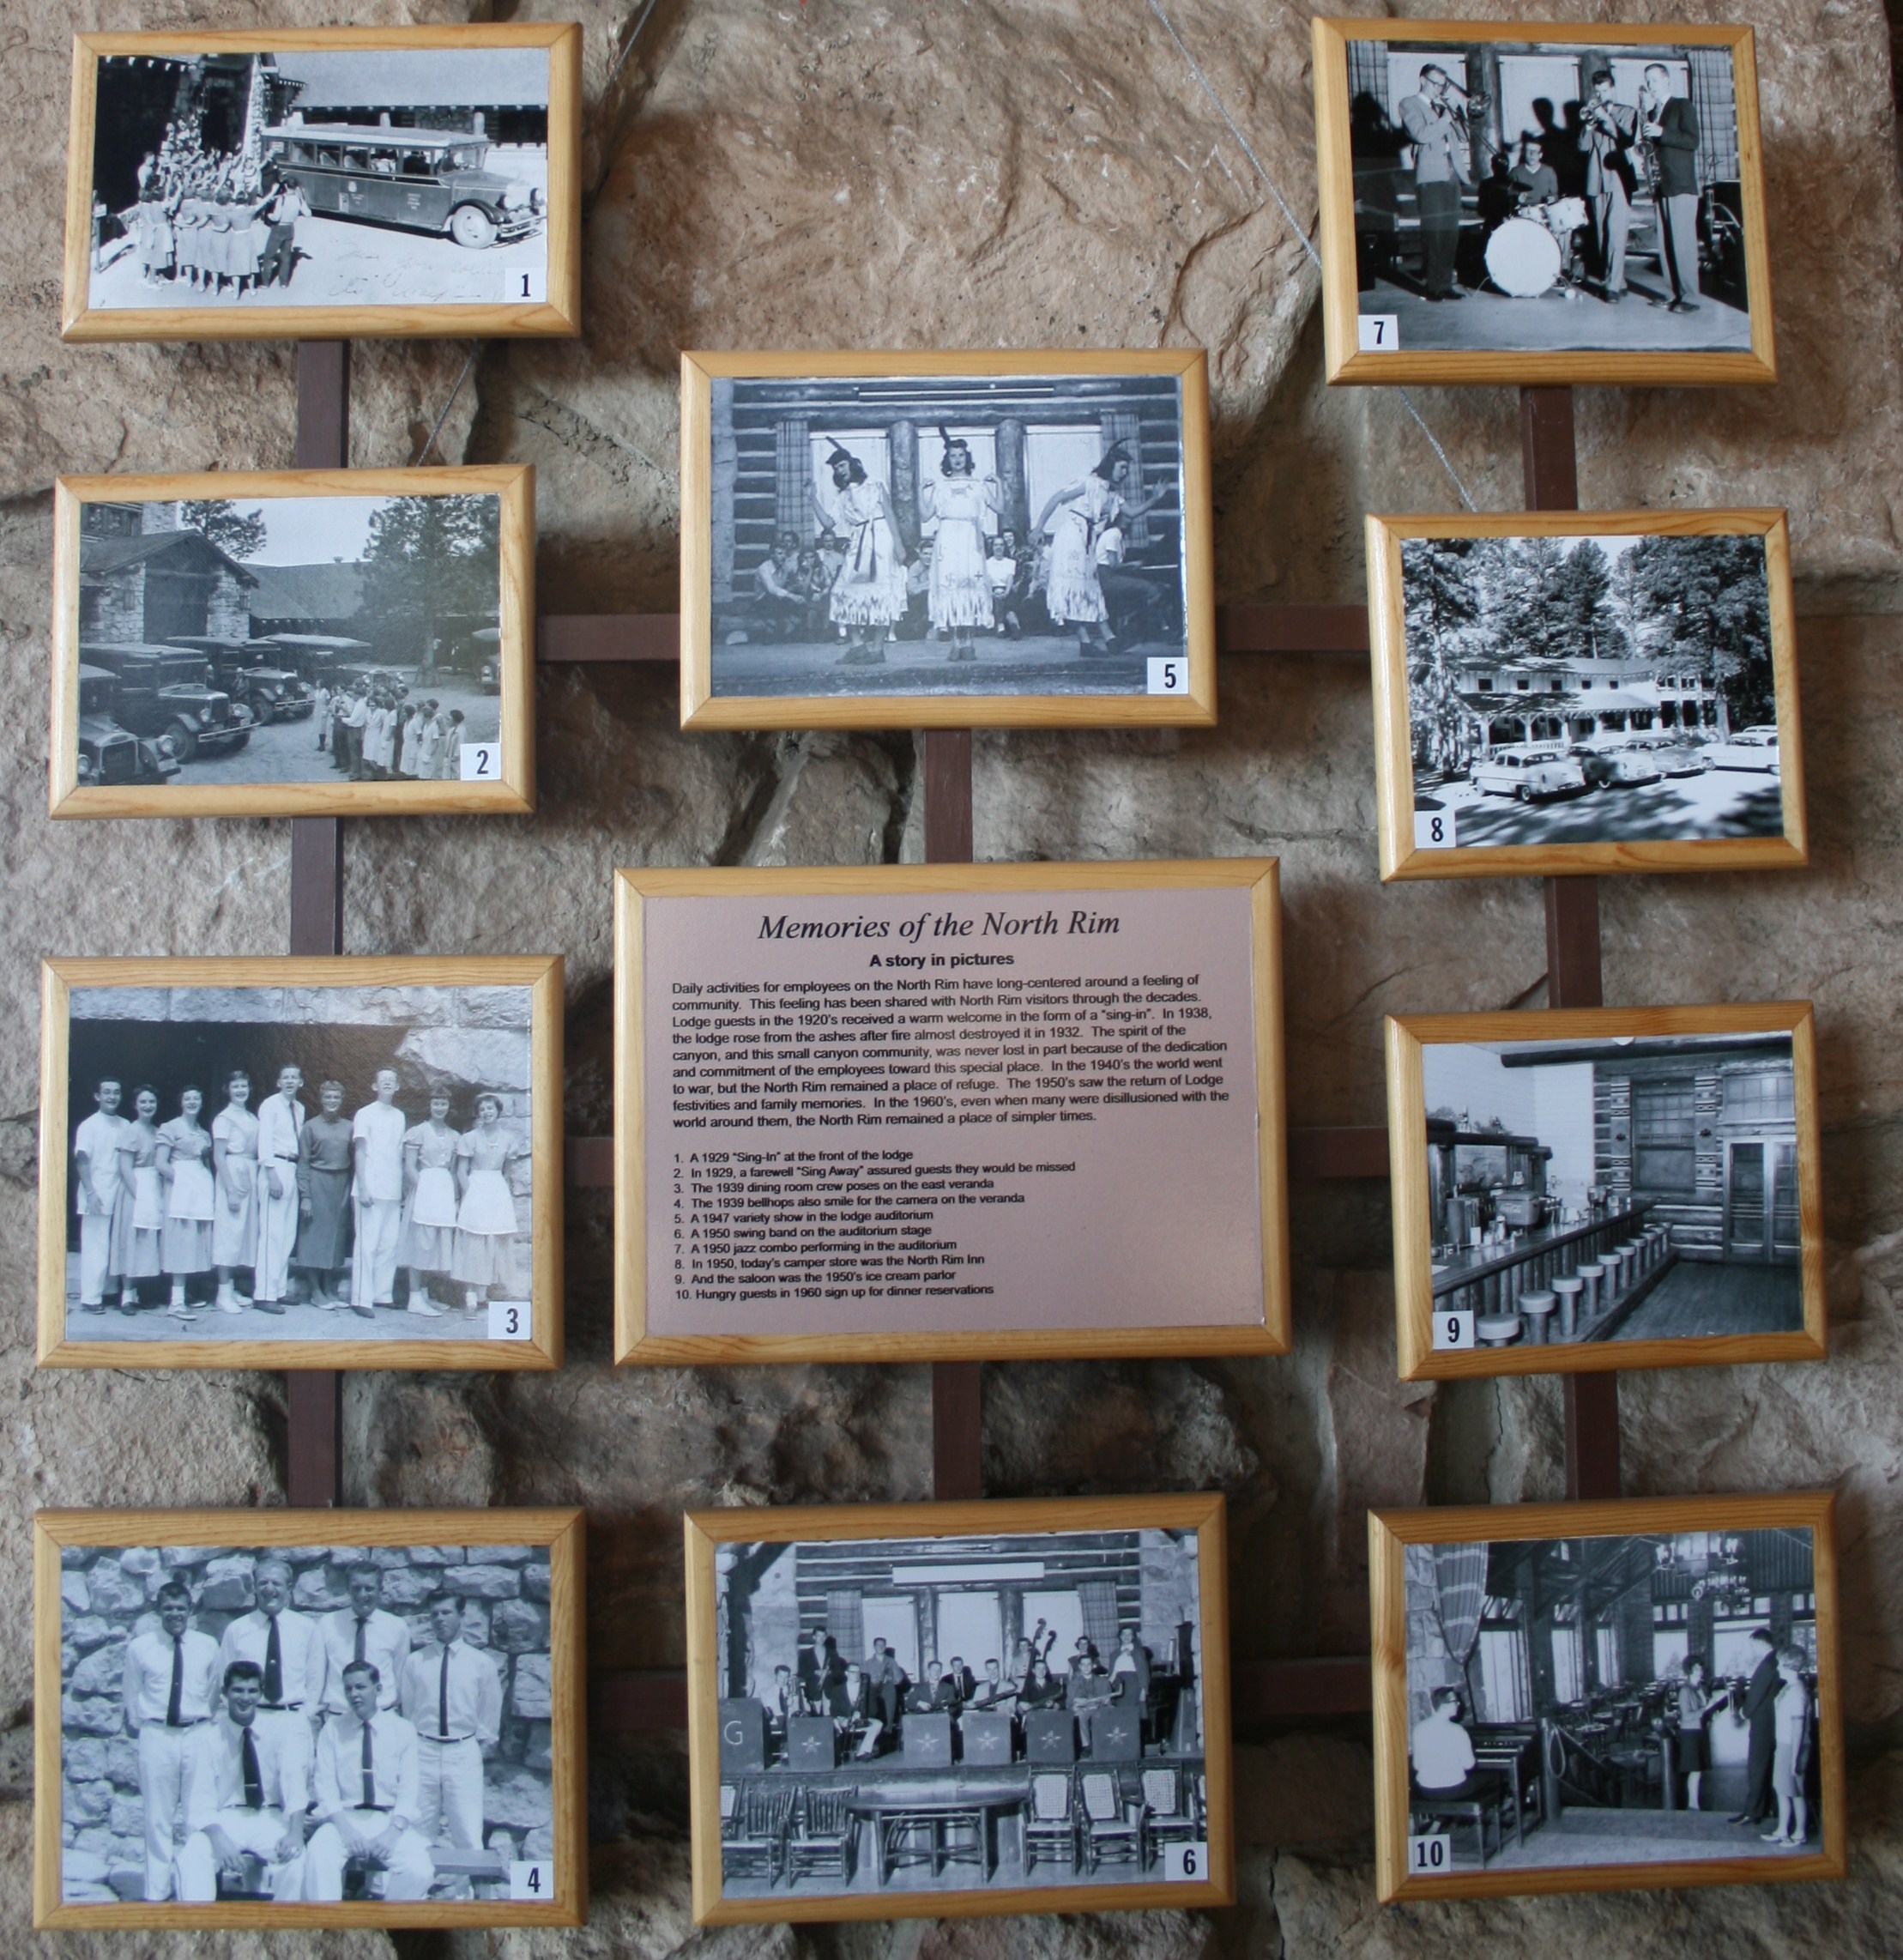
(1618, 1273)
(1568, 1289)
(1496, 1330)
(1662, 1250)
(1590, 1273)
(1538, 1307)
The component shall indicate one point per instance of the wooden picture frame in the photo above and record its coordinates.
(1391, 1534)
(1346, 215)
(557, 311)
(996, 1525)
(512, 785)
(1255, 881)
(706, 564)
(559, 1688)
(1574, 806)
(61, 1344)
(1683, 1233)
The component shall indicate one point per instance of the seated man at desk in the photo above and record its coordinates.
(855, 1714)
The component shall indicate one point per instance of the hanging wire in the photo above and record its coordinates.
(1295, 224)
(627, 48)
(469, 361)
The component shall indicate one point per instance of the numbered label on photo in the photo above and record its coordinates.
(1380, 333)
(1430, 1853)
(482, 762)
(1452, 1330)
(1169, 674)
(1434, 830)
(531, 1879)
(509, 1320)
(1186, 1861)
(527, 285)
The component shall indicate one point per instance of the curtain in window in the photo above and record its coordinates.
(846, 1622)
(1099, 1599)
(793, 479)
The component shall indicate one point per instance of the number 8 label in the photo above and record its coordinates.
(1434, 830)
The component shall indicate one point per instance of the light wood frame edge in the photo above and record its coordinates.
(561, 1530)
(513, 485)
(1394, 764)
(558, 316)
(700, 710)
(541, 973)
(1407, 1037)
(1344, 359)
(1390, 1531)
(1203, 1512)
(632, 1342)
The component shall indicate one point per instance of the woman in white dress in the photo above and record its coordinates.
(868, 591)
(234, 1215)
(486, 1219)
(138, 1211)
(965, 508)
(185, 1145)
(1085, 511)
(429, 1203)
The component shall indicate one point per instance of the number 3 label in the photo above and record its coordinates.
(508, 1320)
(1169, 674)
(1430, 1854)
(1189, 1861)
(531, 1880)
(1453, 1329)
(1434, 830)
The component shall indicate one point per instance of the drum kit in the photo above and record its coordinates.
(1527, 254)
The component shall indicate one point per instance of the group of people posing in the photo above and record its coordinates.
(213, 221)
(274, 1756)
(868, 1700)
(254, 1198)
(374, 732)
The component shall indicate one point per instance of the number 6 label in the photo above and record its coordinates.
(1428, 1854)
(1169, 674)
(1186, 1861)
(1453, 1329)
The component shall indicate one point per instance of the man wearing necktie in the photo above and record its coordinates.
(365, 1795)
(247, 1789)
(285, 1648)
(280, 1128)
(364, 1631)
(453, 1695)
(170, 1681)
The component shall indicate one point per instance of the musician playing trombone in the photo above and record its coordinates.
(1436, 124)
(1608, 131)
(1670, 126)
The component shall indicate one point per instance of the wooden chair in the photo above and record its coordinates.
(1109, 1835)
(1050, 1823)
(729, 1810)
(757, 1846)
(824, 1839)
(1171, 1809)
(1492, 1801)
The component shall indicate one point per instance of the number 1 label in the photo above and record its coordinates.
(1380, 333)
(531, 1879)
(1169, 674)
(1186, 1861)
(509, 1320)
(482, 762)
(527, 285)
(1453, 1329)
(1430, 1854)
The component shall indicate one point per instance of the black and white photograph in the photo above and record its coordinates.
(1613, 1700)
(1551, 197)
(261, 1163)
(890, 537)
(217, 648)
(958, 1712)
(227, 180)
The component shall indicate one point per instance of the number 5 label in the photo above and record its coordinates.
(482, 762)
(1453, 1329)
(1430, 1855)
(1169, 674)
(509, 1320)
(1380, 333)
(1181, 1861)
(531, 1879)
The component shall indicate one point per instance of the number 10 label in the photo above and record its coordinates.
(1186, 1861)
(1426, 1855)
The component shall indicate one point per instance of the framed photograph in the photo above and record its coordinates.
(932, 1112)
(1539, 204)
(1002, 540)
(1606, 1696)
(300, 1163)
(1605, 1188)
(1555, 693)
(914, 1711)
(308, 643)
(278, 1718)
(328, 183)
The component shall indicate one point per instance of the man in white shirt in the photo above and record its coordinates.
(453, 1695)
(246, 1790)
(280, 1126)
(365, 1796)
(95, 1185)
(377, 1134)
(364, 1631)
(354, 720)
(285, 1648)
(1441, 1749)
(170, 1681)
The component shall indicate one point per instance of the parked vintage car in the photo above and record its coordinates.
(247, 670)
(1644, 755)
(488, 644)
(167, 691)
(321, 660)
(425, 180)
(1752, 748)
(110, 755)
(1529, 770)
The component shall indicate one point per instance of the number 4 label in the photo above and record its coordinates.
(1380, 333)
(531, 1879)
(482, 762)
(1453, 1329)
(1434, 830)
(1430, 1854)
(1169, 674)
(509, 1320)
(1181, 1861)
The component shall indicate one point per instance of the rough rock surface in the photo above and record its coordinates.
(1009, 173)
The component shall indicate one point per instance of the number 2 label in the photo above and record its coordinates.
(1380, 333)
(1186, 1861)
(482, 762)
(1453, 1329)
(1169, 674)
(531, 1879)
(508, 1320)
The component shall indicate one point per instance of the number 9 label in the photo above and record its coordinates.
(1453, 1329)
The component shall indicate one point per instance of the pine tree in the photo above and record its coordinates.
(429, 559)
(238, 533)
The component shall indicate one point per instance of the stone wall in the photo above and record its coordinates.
(1023, 174)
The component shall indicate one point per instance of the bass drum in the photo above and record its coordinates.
(1523, 258)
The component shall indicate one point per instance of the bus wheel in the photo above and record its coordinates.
(473, 226)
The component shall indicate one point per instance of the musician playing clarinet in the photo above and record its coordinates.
(1443, 162)
(1671, 127)
(1607, 133)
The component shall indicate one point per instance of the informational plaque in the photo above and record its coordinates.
(952, 1111)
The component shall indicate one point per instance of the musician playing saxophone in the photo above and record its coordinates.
(1443, 162)
(1607, 132)
(1669, 124)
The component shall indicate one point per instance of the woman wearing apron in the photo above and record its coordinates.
(430, 1202)
(184, 1249)
(486, 1221)
(138, 1212)
(965, 507)
(234, 1217)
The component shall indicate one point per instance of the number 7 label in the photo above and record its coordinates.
(1380, 333)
